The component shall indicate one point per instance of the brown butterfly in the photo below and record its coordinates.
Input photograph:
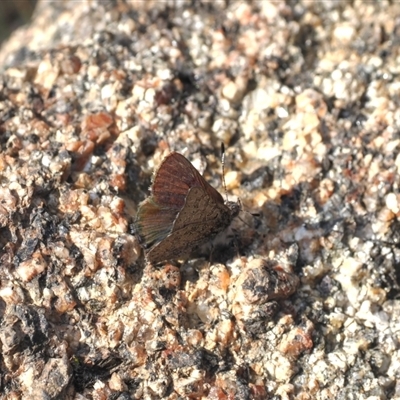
(182, 212)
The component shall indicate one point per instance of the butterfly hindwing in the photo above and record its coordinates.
(154, 223)
(198, 222)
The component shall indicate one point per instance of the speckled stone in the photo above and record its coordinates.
(298, 300)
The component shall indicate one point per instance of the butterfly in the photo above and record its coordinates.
(182, 212)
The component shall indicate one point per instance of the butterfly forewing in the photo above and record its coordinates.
(157, 213)
(175, 176)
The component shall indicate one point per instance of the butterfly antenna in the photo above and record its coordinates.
(223, 169)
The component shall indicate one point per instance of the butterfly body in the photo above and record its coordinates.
(182, 212)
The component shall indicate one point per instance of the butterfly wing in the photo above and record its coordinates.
(153, 223)
(172, 182)
(199, 220)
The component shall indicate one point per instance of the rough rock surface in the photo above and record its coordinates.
(299, 302)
